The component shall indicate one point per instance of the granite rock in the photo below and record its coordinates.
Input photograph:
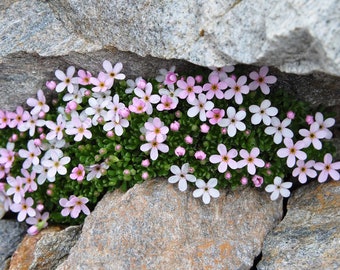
(46, 250)
(11, 234)
(309, 235)
(155, 226)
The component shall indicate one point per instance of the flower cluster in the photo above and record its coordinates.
(213, 130)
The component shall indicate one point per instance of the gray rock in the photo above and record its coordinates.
(155, 226)
(11, 234)
(46, 250)
(296, 36)
(309, 235)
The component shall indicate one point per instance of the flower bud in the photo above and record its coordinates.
(179, 151)
(200, 155)
(188, 139)
(257, 180)
(174, 126)
(244, 180)
(204, 128)
(51, 85)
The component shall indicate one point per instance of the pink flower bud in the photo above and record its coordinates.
(170, 78)
(233, 76)
(118, 147)
(290, 115)
(200, 155)
(145, 176)
(178, 114)
(87, 93)
(33, 230)
(51, 85)
(72, 105)
(14, 137)
(257, 180)
(125, 112)
(227, 175)
(191, 170)
(179, 151)
(110, 134)
(40, 207)
(146, 163)
(204, 128)
(67, 110)
(37, 142)
(244, 180)
(309, 119)
(100, 120)
(224, 131)
(198, 78)
(41, 114)
(188, 139)
(174, 126)
(141, 83)
(126, 172)
(40, 130)
(49, 192)
(42, 136)
(267, 165)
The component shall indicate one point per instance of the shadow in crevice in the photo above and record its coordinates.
(257, 259)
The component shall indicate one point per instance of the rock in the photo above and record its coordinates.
(46, 250)
(11, 233)
(296, 36)
(155, 226)
(309, 235)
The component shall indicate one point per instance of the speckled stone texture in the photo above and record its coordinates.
(309, 235)
(296, 36)
(46, 250)
(155, 226)
(11, 233)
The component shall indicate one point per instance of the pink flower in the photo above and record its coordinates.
(328, 168)
(4, 119)
(261, 80)
(313, 136)
(78, 173)
(167, 103)
(67, 79)
(29, 180)
(163, 74)
(181, 176)
(204, 128)
(138, 106)
(113, 72)
(200, 155)
(225, 158)
(170, 78)
(38, 104)
(237, 89)
(16, 188)
(215, 87)
(74, 206)
(262, 112)
(206, 190)
(155, 130)
(31, 155)
(279, 188)
(200, 106)
(292, 151)
(234, 121)
(303, 170)
(79, 128)
(279, 129)
(250, 160)
(325, 124)
(84, 77)
(154, 147)
(18, 117)
(147, 97)
(174, 126)
(187, 89)
(38, 222)
(179, 151)
(51, 85)
(215, 115)
(102, 83)
(7, 155)
(257, 180)
(24, 208)
(56, 128)
(188, 139)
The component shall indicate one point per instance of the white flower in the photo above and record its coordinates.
(325, 124)
(154, 146)
(279, 129)
(181, 175)
(262, 113)
(97, 109)
(313, 135)
(233, 122)
(200, 106)
(279, 188)
(56, 165)
(206, 190)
